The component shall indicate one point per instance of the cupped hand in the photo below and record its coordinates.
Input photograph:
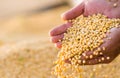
(109, 50)
(88, 7)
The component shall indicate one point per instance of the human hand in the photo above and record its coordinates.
(89, 7)
(109, 50)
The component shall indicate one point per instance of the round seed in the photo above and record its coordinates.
(102, 58)
(108, 58)
(91, 56)
(84, 61)
(115, 5)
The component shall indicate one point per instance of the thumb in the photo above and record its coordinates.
(74, 12)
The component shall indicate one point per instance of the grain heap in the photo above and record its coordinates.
(27, 59)
(86, 34)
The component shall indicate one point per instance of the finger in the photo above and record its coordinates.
(84, 58)
(74, 12)
(98, 60)
(109, 45)
(111, 42)
(60, 29)
(58, 44)
(56, 39)
(90, 55)
(113, 55)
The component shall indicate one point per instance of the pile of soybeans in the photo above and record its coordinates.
(86, 34)
(27, 59)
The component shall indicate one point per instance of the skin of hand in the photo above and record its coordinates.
(89, 7)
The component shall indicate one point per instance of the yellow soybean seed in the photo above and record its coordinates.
(84, 54)
(95, 53)
(84, 61)
(91, 56)
(108, 58)
(115, 5)
(99, 49)
(101, 53)
(102, 58)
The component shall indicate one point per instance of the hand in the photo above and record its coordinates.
(89, 7)
(112, 50)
